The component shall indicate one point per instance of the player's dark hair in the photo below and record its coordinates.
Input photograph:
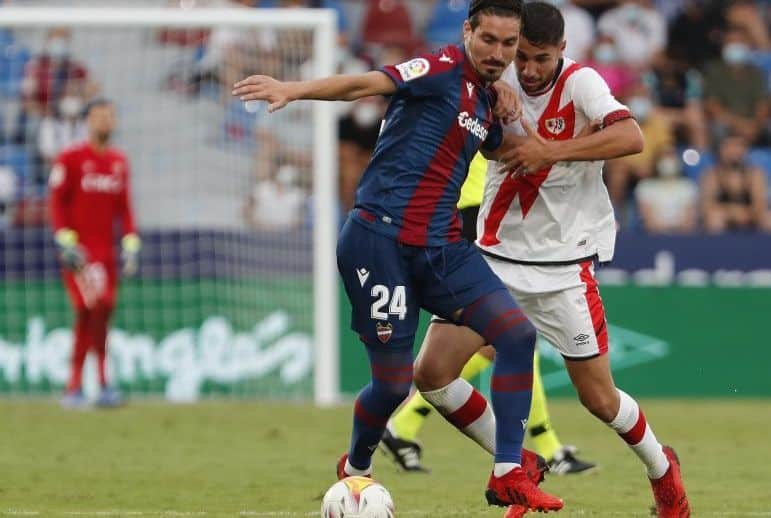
(542, 24)
(94, 103)
(507, 8)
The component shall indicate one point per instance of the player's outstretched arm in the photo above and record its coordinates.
(333, 88)
(535, 152)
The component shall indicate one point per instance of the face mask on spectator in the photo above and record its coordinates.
(640, 107)
(736, 53)
(633, 12)
(57, 48)
(365, 114)
(70, 106)
(605, 53)
(287, 175)
(668, 167)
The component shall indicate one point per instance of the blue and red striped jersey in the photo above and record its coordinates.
(438, 118)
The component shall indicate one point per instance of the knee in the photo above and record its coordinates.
(529, 334)
(393, 392)
(427, 377)
(399, 394)
(603, 404)
(521, 336)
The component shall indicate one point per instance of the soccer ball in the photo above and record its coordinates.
(357, 497)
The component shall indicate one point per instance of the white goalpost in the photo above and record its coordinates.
(237, 293)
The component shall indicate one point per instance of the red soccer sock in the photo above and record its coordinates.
(98, 327)
(81, 341)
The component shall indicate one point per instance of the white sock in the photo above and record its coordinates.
(631, 425)
(466, 409)
(501, 468)
(355, 472)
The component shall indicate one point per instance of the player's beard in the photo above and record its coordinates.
(489, 70)
(491, 75)
(541, 86)
(102, 137)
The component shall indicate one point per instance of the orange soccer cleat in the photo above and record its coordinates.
(518, 488)
(535, 467)
(341, 474)
(515, 511)
(669, 492)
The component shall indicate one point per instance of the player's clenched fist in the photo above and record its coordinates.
(508, 106)
(264, 88)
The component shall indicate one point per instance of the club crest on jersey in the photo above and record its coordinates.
(413, 68)
(555, 126)
(384, 331)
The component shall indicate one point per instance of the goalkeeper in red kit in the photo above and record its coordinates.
(89, 186)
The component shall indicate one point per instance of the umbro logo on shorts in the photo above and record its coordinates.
(581, 339)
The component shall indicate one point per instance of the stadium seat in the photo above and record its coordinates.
(343, 25)
(761, 157)
(694, 171)
(17, 158)
(12, 60)
(762, 60)
(444, 22)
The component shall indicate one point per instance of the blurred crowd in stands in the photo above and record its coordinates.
(695, 73)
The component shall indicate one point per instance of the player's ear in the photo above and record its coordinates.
(563, 45)
(467, 30)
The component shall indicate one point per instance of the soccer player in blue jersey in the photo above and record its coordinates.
(401, 248)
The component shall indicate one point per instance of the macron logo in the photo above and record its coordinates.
(470, 88)
(472, 125)
(363, 275)
(445, 58)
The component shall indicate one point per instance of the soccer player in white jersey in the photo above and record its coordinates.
(545, 219)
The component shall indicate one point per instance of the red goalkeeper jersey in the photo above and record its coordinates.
(89, 191)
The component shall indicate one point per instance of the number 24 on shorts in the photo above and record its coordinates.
(395, 299)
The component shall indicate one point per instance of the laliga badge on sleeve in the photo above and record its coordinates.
(413, 68)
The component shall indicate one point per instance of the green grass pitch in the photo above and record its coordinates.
(271, 460)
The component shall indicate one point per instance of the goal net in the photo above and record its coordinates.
(237, 210)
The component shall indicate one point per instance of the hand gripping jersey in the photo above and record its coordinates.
(561, 214)
(438, 118)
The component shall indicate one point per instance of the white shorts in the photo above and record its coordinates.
(562, 302)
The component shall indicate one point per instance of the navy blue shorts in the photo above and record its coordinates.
(388, 282)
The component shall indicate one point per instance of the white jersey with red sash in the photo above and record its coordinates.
(561, 214)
